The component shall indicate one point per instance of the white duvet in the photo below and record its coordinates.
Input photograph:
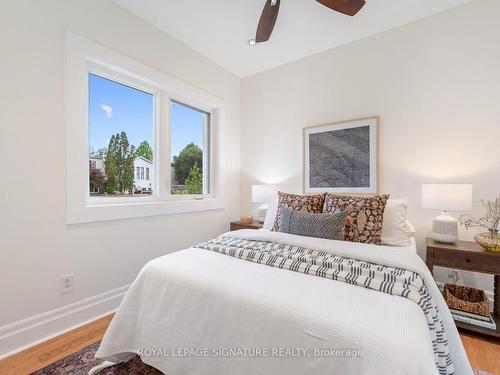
(187, 310)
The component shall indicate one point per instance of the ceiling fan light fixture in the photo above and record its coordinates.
(251, 42)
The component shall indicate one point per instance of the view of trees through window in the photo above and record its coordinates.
(189, 127)
(121, 131)
(121, 139)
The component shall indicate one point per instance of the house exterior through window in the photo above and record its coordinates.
(141, 184)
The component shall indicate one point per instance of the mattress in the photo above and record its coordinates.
(200, 312)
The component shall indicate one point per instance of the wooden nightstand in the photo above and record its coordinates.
(235, 225)
(469, 256)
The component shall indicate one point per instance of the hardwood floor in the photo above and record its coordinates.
(39, 356)
(483, 352)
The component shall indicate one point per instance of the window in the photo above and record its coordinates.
(127, 125)
(189, 135)
(121, 130)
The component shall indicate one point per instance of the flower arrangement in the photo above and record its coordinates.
(491, 240)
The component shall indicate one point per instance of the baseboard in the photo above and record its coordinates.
(23, 334)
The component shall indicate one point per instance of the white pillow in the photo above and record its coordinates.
(396, 229)
(271, 215)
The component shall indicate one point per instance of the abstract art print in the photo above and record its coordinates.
(341, 157)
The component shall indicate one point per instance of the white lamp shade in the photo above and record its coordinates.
(448, 197)
(263, 193)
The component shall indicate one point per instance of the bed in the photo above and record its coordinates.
(202, 312)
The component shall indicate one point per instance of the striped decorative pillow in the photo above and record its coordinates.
(302, 223)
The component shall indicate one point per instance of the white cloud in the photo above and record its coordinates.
(107, 110)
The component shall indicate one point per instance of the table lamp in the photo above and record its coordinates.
(262, 194)
(446, 197)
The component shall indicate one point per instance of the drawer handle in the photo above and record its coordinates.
(467, 260)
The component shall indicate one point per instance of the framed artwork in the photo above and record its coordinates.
(341, 157)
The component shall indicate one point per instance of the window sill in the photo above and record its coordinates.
(118, 211)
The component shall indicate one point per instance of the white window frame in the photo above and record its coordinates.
(83, 57)
(206, 149)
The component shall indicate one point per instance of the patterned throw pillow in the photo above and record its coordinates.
(365, 215)
(297, 202)
(302, 223)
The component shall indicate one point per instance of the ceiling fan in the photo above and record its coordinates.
(270, 14)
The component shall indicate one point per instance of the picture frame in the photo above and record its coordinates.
(341, 157)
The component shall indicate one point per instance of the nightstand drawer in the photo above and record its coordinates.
(237, 225)
(474, 261)
(234, 226)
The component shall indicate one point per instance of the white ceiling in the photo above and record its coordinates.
(219, 29)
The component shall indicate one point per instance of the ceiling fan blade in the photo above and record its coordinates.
(349, 7)
(267, 20)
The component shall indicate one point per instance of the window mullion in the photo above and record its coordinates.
(206, 156)
(163, 166)
(214, 152)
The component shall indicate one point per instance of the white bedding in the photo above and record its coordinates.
(196, 298)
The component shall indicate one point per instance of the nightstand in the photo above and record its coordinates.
(235, 225)
(469, 256)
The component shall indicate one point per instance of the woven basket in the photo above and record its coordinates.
(466, 299)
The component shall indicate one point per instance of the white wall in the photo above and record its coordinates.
(436, 85)
(36, 246)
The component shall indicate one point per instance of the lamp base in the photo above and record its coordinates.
(445, 228)
(262, 212)
(444, 238)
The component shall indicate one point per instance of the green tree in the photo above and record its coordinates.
(187, 158)
(119, 164)
(194, 182)
(145, 150)
(110, 166)
(126, 169)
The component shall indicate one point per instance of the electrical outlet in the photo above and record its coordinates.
(66, 283)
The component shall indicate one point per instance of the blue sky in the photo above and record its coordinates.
(187, 127)
(114, 107)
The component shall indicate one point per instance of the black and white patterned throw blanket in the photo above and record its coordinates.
(395, 281)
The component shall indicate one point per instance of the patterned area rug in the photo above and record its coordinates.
(81, 362)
